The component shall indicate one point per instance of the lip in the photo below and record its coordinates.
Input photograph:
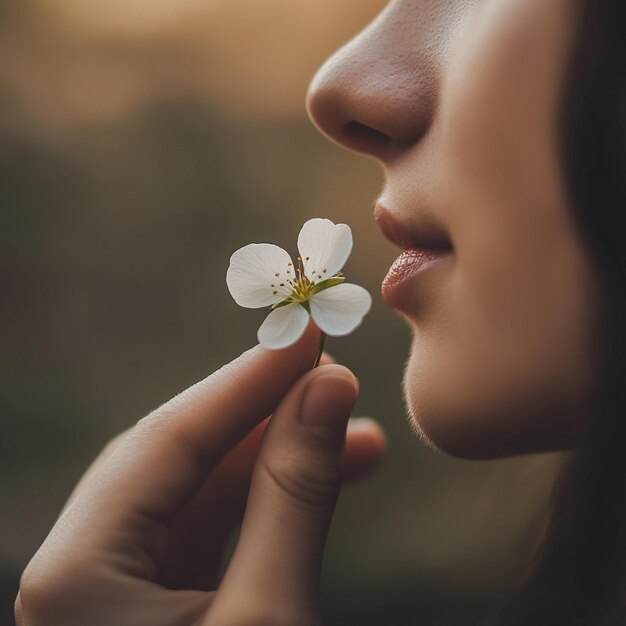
(425, 247)
(425, 233)
(398, 287)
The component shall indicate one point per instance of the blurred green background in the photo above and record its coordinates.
(142, 142)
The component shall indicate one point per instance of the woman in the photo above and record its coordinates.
(500, 127)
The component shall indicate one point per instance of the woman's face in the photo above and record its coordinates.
(459, 100)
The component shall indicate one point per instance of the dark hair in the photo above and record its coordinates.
(578, 575)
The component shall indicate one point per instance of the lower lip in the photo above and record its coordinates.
(408, 266)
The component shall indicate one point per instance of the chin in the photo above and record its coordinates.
(459, 421)
(444, 433)
(432, 403)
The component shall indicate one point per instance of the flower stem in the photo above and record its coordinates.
(321, 350)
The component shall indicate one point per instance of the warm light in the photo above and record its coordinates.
(126, 16)
(87, 60)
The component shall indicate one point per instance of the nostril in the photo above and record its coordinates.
(361, 137)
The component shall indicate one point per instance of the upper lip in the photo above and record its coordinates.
(424, 234)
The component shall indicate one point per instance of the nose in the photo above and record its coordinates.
(377, 95)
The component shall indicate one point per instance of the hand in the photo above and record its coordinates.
(141, 539)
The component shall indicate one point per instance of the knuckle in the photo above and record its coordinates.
(165, 422)
(19, 620)
(48, 591)
(310, 483)
(113, 443)
(37, 598)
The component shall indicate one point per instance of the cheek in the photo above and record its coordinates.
(505, 366)
(498, 115)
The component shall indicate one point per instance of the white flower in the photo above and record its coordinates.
(262, 274)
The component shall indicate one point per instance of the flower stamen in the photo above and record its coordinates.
(324, 248)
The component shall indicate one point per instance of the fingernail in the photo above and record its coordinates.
(329, 399)
(363, 425)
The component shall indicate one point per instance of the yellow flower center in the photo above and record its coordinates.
(302, 287)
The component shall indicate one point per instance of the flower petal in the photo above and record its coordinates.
(339, 310)
(283, 326)
(255, 274)
(324, 247)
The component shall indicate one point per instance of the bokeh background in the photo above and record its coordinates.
(141, 142)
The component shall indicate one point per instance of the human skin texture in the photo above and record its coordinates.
(142, 536)
(460, 103)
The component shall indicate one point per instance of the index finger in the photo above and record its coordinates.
(165, 458)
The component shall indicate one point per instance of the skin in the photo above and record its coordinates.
(458, 101)
(141, 538)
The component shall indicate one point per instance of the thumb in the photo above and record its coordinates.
(294, 488)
